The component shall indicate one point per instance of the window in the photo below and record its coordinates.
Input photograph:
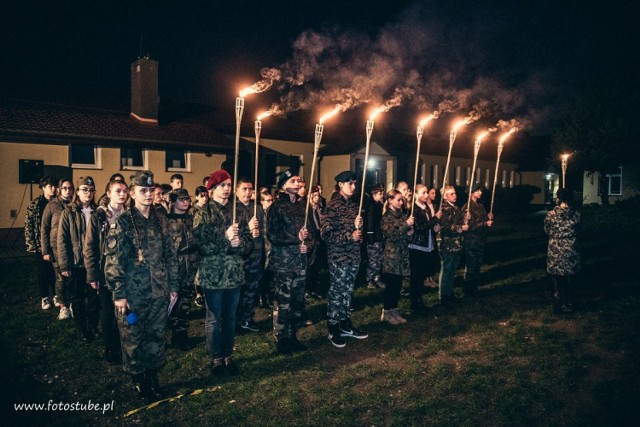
(133, 159)
(503, 184)
(458, 173)
(467, 175)
(434, 175)
(614, 180)
(85, 156)
(487, 177)
(512, 178)
(178, 160)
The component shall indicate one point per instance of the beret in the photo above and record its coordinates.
(217, 177)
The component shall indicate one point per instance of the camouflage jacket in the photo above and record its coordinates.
(125, 274)
(33, 222)
(451, 224)
(95, 244)
(286, 219)
(70, 241)
(562, 225)
(246, 213)
(221, 266)
(337, 227)
(477, 233)
(396, 243)
(49, 226)
(184, 242)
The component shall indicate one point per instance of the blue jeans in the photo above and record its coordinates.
(220, 322)
(450, 261)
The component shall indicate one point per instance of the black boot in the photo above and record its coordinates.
(155, 390)
(448, 304)
(141, 386)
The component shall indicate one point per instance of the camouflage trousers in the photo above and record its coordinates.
(473, 255)
(143, 343)
(253, 272)
(342, 278)
(450, 261)
(84, 300)
(375, 252)
(179, 317)
(289, 296)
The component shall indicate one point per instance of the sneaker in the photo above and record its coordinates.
(45, 303)
(347, 330)
(336, 337)
(199, 301)
(56, 301)
(231, 366)
(249, 326)
(64, 313)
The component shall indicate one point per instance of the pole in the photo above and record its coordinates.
(452, 138)
(495, 176)
(258, 128)
(316, 146)
(366, 161)
(419, 132)
(476, 149)
(564, 170)
(239, 111)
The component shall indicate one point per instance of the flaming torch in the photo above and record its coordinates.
(452, 139)
(476, 150)
(316, 146)
(565, 159)
(501, 141)
(370, 123)
(258, 128)
(419, 132)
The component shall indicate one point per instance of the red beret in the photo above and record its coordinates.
(217, 177)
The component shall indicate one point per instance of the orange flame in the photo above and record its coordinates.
(265, 114)
(482, 136)
(427, 119)
(565, 156)
(459, 124)
(247, 91)
(330, 114)
(504, 137)
(377, 111)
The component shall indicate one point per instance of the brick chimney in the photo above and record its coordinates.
(144, 91)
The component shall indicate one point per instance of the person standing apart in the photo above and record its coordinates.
(453, 226)
(289, 236)
(222, 245)
(397, 230)
(142, 271)
(341, 230)
(475, 240)
(49, 242)
(95, 249)
(563, 225)
(422, 247)
(33, 221)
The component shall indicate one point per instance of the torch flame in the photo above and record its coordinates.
(330, 114)
(482, 136)
(377, 111)
(427, 119)
(265, 114)
(459, 124)
(247, 91)
(565, 156)
(504, 137)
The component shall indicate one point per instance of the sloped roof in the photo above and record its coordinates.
(28, 121)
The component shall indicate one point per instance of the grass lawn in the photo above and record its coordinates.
(502, 359)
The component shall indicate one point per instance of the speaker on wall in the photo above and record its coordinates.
(30, 171)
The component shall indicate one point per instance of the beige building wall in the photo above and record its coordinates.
(590, 187)
(12, 193)
(538, 179)
(329, 168)
(300, 149)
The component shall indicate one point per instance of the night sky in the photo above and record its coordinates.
(511, 59)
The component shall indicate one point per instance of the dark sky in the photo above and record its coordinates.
(526, 56)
